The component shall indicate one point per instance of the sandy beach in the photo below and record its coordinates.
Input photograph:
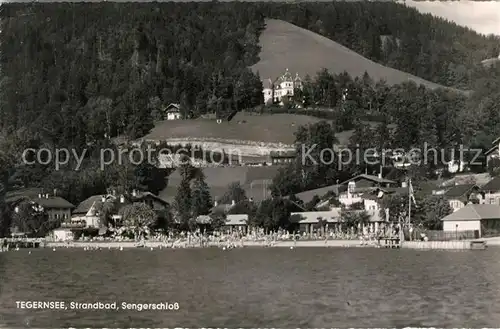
(159, 244)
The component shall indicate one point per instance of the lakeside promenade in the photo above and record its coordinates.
(185, 244)
(122, 245)
(228, 242)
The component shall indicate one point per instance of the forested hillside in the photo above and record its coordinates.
(74, 73)
(396, 35)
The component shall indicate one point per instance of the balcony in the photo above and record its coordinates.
(74, 225)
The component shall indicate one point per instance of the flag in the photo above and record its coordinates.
(411, 192)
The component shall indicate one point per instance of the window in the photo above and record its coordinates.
(491, 201)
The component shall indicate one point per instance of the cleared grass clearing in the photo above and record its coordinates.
(267, 128)
(284, 45)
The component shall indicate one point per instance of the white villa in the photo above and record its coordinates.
(282, 86)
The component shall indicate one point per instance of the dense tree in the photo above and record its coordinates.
(137, 219)
(234, 193)
(244, 207)
(30, 219)
(217, 219)
(315, 153)
(430, 210)
(352, 219)
(311, 205)
(494, 167)
(397, 206)
(272, 214)
(105, 210)
(201, 199)
(150, 178)
(183, 205)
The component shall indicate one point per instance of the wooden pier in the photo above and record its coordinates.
(389, 242)
(13, 243)
(446, 245)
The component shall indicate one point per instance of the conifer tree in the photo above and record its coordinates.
(201, 199)
(182, 204)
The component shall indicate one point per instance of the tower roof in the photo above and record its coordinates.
(286, 77)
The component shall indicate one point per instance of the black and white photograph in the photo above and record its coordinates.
(265, 164)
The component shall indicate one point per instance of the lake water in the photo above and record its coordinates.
(274, 287)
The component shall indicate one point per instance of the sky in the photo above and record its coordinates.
(483, 17)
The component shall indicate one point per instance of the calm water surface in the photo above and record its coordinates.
(256, 287)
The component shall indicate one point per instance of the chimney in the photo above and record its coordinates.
(46, 196)
(134, 193)
(103, 199)
(55, 192)
(114, 192)
(404, 184)
(216, 203)
(233, 202)
(39, 195)
(122, 199)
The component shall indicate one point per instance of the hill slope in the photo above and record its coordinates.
(276, 128)
(284, 45)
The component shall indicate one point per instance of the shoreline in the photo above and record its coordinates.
(183, 245)
(121, 245)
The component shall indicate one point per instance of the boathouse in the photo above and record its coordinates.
(482, 219)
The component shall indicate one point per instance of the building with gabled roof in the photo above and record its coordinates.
(492, 191)
(56, 207)
(494, 151)
(481, 218)
(172, 111)
(283, 86)
(87, 212)
(459, 196)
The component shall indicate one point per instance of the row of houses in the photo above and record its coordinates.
(87, 214)
(369, 191)
(366, 190)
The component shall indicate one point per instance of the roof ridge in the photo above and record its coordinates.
(474, 209)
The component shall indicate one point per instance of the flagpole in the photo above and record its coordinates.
(410, 196)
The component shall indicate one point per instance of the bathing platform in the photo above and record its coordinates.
(446, 245)
(389, 243)
(13, 243)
